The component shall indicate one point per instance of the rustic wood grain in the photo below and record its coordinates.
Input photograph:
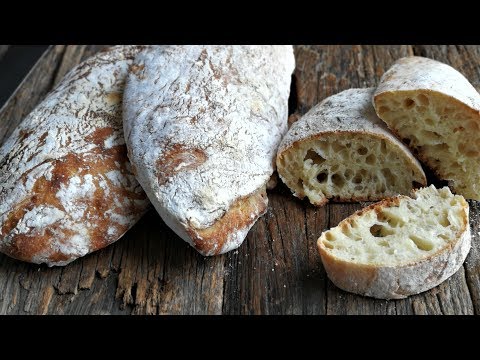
(276, 271)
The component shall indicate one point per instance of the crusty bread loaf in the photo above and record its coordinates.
(202, 126)
(437, 112)
(341, 150)
(400, 246)
(66, 186)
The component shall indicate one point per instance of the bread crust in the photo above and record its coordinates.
(202, 125)
(66, 185)
(396, 282)
(348, 112)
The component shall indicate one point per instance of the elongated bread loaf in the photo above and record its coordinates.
(437, 112)
(340, 149)
(66, 186)
(400, 246)
(202, 126)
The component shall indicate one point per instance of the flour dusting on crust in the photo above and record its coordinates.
(202, 125)
(66, 187)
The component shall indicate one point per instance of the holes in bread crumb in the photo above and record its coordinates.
(348, 174)
(416, 185)
(429, 121)
(444, 220)
(420, 243)
(383, 147)
(329, 236)
(391, 251)
(383, 109)
(379, 230)
(322, 177)
(430, 136)
(362, 150)
(338, 180)
(387, 173)
(316, 159)
(408, 103)
(384, 243)
(357, 179)
(327, 245)
(423, 99)
(444, 237)
(371, 159)
(358, 188)
(300, 183)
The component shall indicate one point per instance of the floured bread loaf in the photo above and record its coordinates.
(66, 186)
(437, 112)
(202, 126)
(340, 149)
(400, 246)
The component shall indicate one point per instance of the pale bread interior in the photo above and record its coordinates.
(443, 131)
(402, 232)
(347, 167)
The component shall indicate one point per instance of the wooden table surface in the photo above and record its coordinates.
(276, 271)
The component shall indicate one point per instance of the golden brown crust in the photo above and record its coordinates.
(97, 163)
(241, 215)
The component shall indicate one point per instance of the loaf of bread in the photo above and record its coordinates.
(400, 246)
(66, 186)
(341, 150)
(202, 126)
(437, 112)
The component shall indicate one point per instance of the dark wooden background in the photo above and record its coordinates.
(276, 271)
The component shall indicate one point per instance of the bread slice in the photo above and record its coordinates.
(400, 246)
(341, 150)
(437, 112)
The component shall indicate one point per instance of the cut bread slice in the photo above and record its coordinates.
(437, 112)
(341, 150)
(400, 246)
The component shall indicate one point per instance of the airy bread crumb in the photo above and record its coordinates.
(399, 246)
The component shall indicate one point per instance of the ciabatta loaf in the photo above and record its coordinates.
(400, 246)
(340, 149)
(66, 186)
(202, 126)
(437, 112)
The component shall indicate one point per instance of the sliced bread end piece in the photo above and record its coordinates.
(399, 246)
(436, 111)
(341, 150)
